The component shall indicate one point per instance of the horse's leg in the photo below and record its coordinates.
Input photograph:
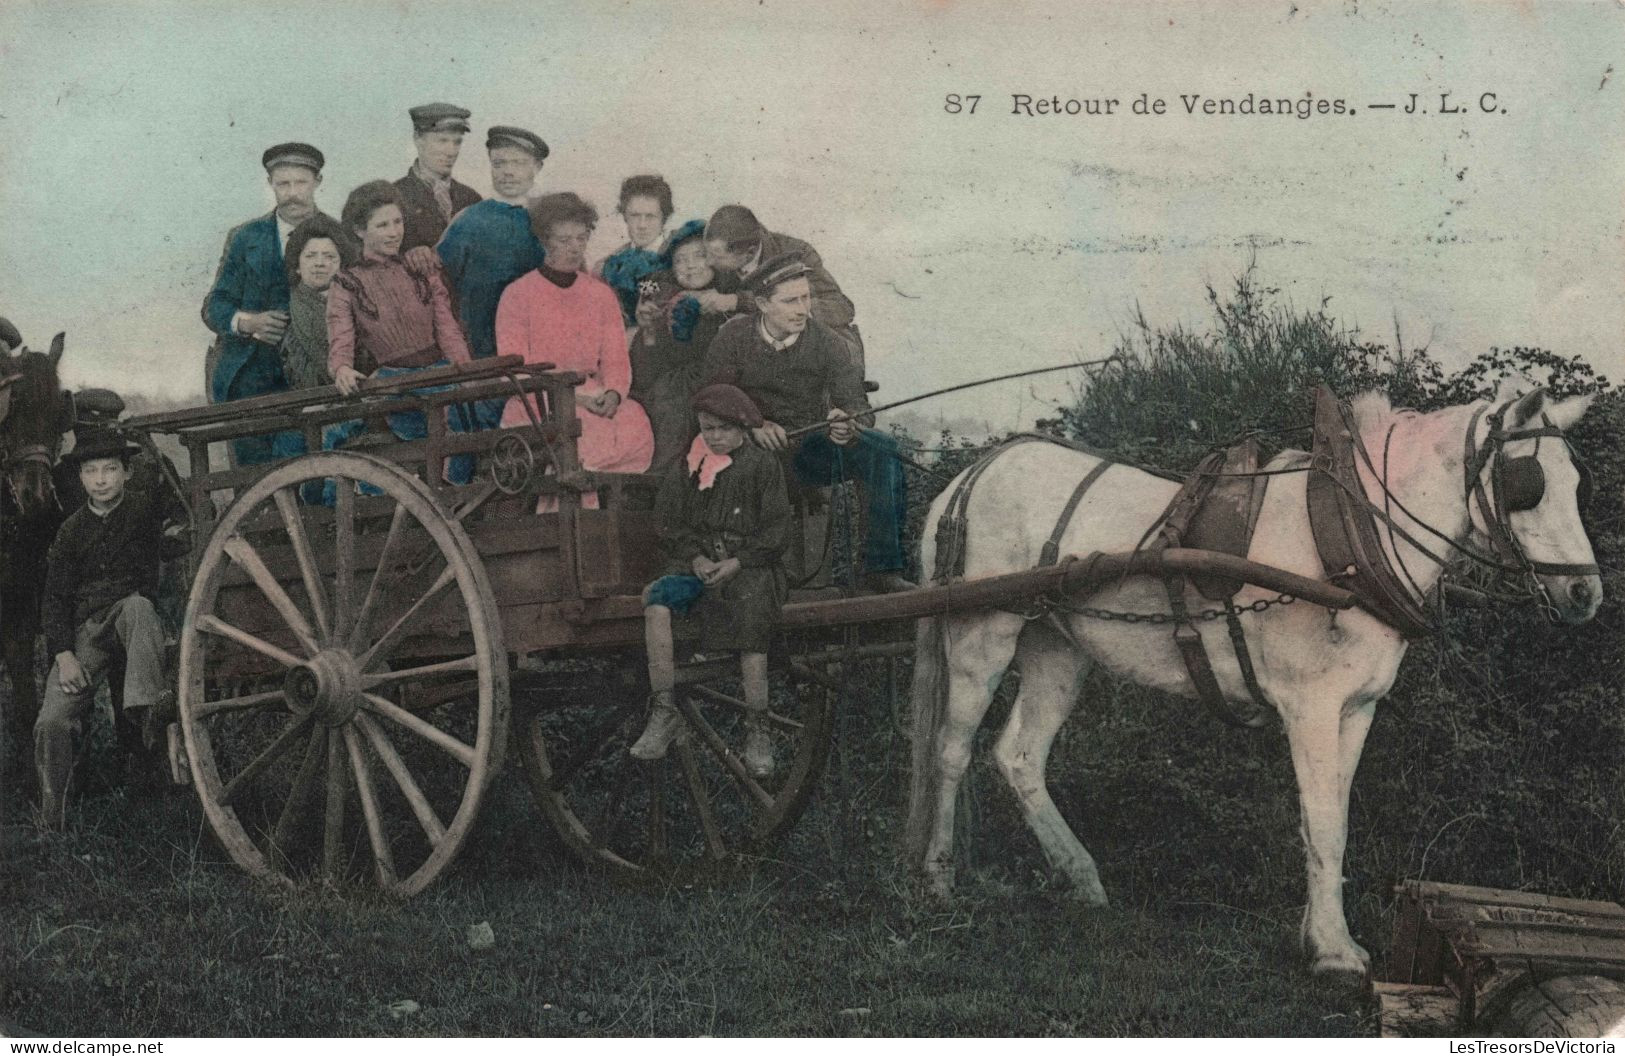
(979, 649)
(1052, 672)
(1316, 737)
(1351, 733)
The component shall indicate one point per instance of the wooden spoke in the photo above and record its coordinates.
(588, 748)
(433, 734)
(382, 858)
(609, 818)
(701, 800)
(343, 559)
(363, 616)
(211, 624)
(784, 722)
(294, 525)
(724, 754)
(403, 778)
(243, 703)
(338, 782)
(657, 810)
(248, 618)
(243, 554)
(385, 678)
(387, 642)
(257, 765)
(304, 783)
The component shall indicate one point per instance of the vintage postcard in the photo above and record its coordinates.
(727, 518)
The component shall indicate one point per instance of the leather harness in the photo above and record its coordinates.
(1217, 508)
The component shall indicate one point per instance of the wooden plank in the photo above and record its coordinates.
(1440, 892)
(171, 421)
(1495, 938)
(1408, 1010)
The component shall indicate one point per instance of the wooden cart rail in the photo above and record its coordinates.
(295, 400)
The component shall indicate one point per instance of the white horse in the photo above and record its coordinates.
(1322, 672)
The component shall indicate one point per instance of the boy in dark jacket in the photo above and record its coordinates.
(101, 579)
(724, 518)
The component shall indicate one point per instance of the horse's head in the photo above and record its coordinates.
(1529, 489)
(32, 410)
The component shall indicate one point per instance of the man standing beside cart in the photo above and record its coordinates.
(101, 579)
(800, 372)
(248, 305)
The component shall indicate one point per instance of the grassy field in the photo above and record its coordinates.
(133, 923)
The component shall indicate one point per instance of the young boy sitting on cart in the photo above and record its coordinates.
(724, 518)
(101, 579)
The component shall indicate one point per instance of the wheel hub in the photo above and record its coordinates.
(329, 686)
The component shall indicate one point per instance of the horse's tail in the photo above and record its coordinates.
(929, 695)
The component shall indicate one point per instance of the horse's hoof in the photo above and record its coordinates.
(1348, 969)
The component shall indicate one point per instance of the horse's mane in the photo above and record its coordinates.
(1370, 407)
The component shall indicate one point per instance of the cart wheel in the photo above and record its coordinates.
(695, 811)
(376, 674)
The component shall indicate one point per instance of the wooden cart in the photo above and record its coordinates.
(368, 654)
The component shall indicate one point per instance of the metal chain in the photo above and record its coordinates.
(1261, 605)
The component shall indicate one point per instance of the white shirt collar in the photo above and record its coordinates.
(652, 247)
(775, 343)
(107, 512)
(283, 230)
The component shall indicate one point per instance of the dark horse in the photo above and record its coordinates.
(34, 413)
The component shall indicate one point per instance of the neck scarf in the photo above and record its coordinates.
(706, 462)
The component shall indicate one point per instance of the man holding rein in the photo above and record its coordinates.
(801, 372)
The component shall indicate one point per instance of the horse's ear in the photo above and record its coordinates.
(1527, 409)
(56, 347)
(1564, 413)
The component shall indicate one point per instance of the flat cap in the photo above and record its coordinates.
(9, 334)
(733, 223)
(99, 443)
(439, 117)
(293, 154)
(728, 402)
(771, 273)
(511, 136)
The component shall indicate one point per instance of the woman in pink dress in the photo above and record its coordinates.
(562, 315)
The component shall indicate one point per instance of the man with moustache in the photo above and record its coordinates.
(800, 372)
(247, 307)
(429, 196)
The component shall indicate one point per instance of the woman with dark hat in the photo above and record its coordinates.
(668, 348)
(724, 518)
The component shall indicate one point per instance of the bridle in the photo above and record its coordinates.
(1516, 484)
(43, 455)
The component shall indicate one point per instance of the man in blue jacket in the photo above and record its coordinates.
(248, 304)
(490, 244)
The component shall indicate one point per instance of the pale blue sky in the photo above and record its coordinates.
(970, 244)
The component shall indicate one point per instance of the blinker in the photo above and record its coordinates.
(1522, 483)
